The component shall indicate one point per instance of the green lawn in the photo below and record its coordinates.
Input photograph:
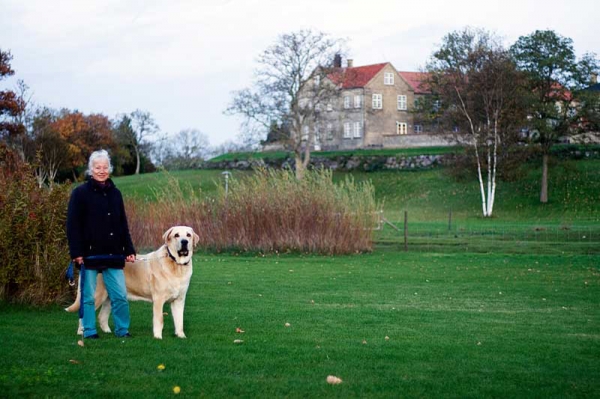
(512, 316)
(459, 326)
(429, 195)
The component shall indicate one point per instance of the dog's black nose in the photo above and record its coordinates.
(184, 243)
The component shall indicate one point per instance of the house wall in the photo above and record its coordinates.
(381, 123)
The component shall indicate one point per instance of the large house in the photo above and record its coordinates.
(371, 108)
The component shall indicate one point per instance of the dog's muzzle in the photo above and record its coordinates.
(184, 251)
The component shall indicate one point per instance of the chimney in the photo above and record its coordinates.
(337, 61)
(350, 63)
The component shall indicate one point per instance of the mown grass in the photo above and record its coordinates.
(459, 325)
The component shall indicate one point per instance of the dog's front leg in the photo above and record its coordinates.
(157, 321)
(177, 312)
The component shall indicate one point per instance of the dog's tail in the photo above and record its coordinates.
(75, 306)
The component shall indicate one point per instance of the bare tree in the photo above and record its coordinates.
(476, 86)
(142, 126)
(289, 87)
(185, 150)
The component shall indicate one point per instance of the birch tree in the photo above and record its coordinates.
(476, 92)
(289, 89)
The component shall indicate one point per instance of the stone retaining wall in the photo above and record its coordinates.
(346, 163)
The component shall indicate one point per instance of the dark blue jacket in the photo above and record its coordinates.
(97, 224)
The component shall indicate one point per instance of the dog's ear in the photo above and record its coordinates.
(196, 238)
(167, 235)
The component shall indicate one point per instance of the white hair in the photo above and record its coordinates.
(96, 155)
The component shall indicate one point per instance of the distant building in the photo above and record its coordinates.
(371, 108)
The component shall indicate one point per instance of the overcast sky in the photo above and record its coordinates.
(180, 60)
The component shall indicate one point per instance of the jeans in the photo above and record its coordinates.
(114, 280)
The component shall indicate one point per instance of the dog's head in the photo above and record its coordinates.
(180, 242)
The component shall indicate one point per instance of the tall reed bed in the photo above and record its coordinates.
(270, 211)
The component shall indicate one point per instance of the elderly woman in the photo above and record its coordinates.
(99, 240)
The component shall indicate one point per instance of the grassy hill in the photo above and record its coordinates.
(429, 195)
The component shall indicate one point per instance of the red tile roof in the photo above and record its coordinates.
(416, 80)
(350, 78)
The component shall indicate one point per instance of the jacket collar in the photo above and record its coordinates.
(95, 185)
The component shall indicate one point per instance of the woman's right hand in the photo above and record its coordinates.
(78, 260)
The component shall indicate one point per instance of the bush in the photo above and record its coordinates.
(33, 243)
(271, 211)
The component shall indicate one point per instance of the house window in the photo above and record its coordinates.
(357, 130)
(388, 79)
(305, 132)
(418, 128)
(455, 129)
(329, 107)
(329, 131)
(402, 103)
(347, 102)
(377, 101)
(347, 130)
(357, 101)
(317, 80)
(401, 128)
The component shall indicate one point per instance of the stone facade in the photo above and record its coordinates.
(372, 108)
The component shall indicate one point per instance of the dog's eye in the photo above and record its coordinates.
(177, 235)
(189, 235)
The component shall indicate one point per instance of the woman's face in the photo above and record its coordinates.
(100, 170)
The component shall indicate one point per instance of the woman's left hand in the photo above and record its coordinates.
(130, 258)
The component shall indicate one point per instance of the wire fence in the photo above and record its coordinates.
(581, 237)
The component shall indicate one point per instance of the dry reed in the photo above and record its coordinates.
(270, 211)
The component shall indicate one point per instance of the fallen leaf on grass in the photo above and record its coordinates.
(239, 331)
(332, 379)
(387, 338)
(73, 361)
(160, 367)
(238, 341)
(287, 324)
(364, 342)
(165, 314)
(80, 343)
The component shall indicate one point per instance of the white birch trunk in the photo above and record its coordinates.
(474, 133)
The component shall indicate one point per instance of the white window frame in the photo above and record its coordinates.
(401, 128)
(346, 102)
(347, 133)
(329, 107)
(357, 101)
(329, 131)
(317, 80)
(357, 130)
(402, 103)
(418, 128)
(388, 78)
(377, 102)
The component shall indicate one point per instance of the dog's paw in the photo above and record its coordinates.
(158, 336)
(106, 329)
(181, 335)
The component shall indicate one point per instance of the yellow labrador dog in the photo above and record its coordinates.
(158, 277)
